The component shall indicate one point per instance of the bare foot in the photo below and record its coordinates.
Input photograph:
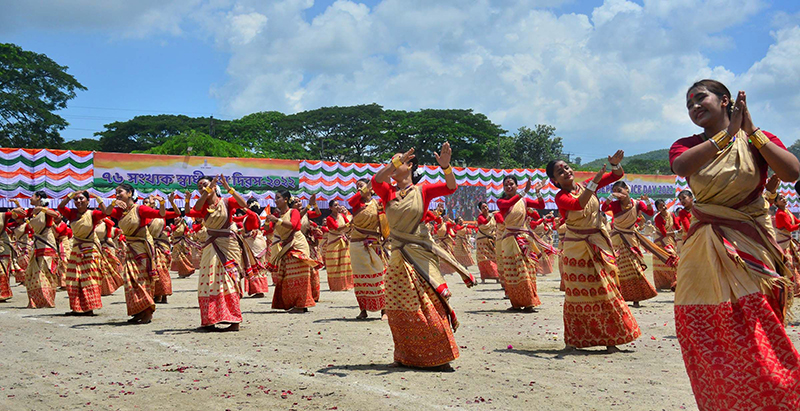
(611, 349)
(257, 295)
(396, 364)
(207, 328)
(636, 304)
(362, 316)
(295, 310)
(384, 317)
(513, 309)
(528, 310)
(443, 368)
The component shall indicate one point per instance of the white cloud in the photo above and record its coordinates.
(615, 77)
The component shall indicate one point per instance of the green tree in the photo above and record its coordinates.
(84, 144)
(201, 145)
(473, 137)
(144, 132)
(531, 148)
(32, 88)
(337, 133)
(264, 135)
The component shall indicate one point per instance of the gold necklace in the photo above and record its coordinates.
(406, 190)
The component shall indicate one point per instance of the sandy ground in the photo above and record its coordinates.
(326, 360)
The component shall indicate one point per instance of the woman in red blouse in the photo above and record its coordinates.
(485, 243)
(140, 274)
(632, 282)
(420, 317)
(257, 283)
(595, 313)
(225, 262)
(86, 264)
(337, 251)
(733, 284)
(41, 277)
(665, 276)
(785, 224)
(290, 259)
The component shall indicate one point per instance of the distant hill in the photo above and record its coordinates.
(657, 160)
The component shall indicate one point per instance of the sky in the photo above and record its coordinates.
(607, 74)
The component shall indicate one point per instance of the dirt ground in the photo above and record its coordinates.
(326, 360)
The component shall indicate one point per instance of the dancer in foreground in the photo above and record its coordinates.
(595, 314)
(420, 317)
(733, 287)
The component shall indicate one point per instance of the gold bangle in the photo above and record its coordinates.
(722, 139)
(208, 189)
(448, 170)
(770, 195)
(396, 162)
(231, 190)
(758, 138)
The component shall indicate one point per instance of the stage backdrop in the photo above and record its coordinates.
(59, 172)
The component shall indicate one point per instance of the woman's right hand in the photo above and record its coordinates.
(737, 118)
(599, 175)
(121, 205)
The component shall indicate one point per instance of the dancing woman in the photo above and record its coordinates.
(313, 237)
(109, 260)
(225, 261)
(417, 307)
(628, 241)
(519, 267)
(163, 253)
(595, 314)
(7, 254)
(257, 283)
(139, 265)
(290, 261)
(463, 249)
(182, 247)
(366, 252)
(785, 224)
(665, 275)
(41, 277)
(485, 243)
(337, 251)
(733, 287)
(85, 268)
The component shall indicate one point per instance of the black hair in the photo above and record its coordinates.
(686, 193)
(43, 197)
(621, 184)
(718, 89)
(129, 188)
(658, 203)
(363, 180)
(480, 203)
(84, 193)
(550, 169)
(287, 196)
(207, 178)
(331, 204)
(252, 204)
(797, 187)
(508, 177)
(415, 179)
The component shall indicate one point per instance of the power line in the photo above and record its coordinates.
(155, 111)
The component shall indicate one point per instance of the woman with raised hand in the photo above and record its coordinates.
(516, 248)
(628, 243)
(595, 314)
(463, 249)
(665, 275)
(41, 277)
(290, 261)
(485, 243)
(139, 265)
(420, 317)
(785, 224)
(313, 237)
(110, 263)
(182, 245)
(733, 286)
(366, 252)
(85, 268)
(163, 252)
(7, 252)
(257, 283)
(225, 260)
(337, 251)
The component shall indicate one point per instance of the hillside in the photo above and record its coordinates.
(656, 161)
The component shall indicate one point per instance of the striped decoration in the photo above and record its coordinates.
(59, 172)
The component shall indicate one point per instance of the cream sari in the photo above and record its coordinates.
(487, 255)
(733, 292)
(368, 258)
(518, 251)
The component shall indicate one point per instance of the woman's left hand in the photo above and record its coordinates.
(616, 158)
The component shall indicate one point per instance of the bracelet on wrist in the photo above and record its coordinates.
(758, 138)
(722, 140)
(396, 162)
(591, 186)
(615, 167)
(208, 189)
(448, 170)
(231, 190)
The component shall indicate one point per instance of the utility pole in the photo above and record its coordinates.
(211, 127)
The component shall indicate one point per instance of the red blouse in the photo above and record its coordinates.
(662, 226)
(505, 204)
(387, 192)
(784, 221)
(146, 214)
(566, 202)
(250, 221)
(70, 214)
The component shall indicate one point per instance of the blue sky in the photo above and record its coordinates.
(607, 74)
